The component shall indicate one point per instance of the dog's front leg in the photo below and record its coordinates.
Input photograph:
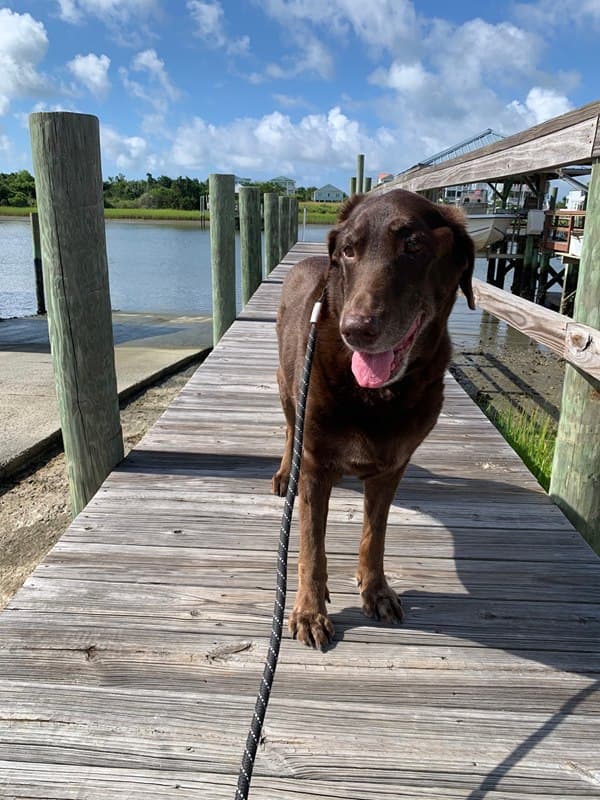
(309, 621)
(378, 599)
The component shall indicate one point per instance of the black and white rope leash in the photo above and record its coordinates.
(264, 691)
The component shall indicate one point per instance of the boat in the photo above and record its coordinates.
(487, 229)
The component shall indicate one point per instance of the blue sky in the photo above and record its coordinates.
(296, 87)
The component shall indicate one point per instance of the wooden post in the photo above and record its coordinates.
(222, 251)
(360, 171)
(284, 225)
(271, 211)
(37, 262)
(250, 245)
(293, 238)
(545, 257)
(529, 273)
(575, 482)
(66, 163)
(352, 186)
(368, 184)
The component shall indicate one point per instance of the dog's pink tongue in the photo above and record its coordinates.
(372, 370)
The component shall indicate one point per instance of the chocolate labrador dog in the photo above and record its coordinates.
(395, 264)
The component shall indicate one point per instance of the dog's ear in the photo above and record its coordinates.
(455, 242)
(349, 206)
(345, 212)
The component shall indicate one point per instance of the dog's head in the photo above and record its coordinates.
(401, 260)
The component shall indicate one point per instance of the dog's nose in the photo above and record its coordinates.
(360, 329)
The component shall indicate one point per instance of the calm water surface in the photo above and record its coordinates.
(153, 267)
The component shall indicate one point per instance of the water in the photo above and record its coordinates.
(153, 267)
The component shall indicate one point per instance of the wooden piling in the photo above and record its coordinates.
(37, 262)
(284, 225)
(66, 162)
(545, 257)
(360, 172)
(271, 214)
(575, 482)
(293, 237)
(368, 184)
(352, 186)
(250, 241)
(222, 251)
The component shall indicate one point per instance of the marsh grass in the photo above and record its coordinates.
(16, 211)
(532, 436)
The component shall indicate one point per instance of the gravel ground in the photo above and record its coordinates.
(34, 505)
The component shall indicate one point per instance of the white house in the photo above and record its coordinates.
(328, 194)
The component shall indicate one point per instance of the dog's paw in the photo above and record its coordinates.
(280, 483)
(382, 603)
(311, 628)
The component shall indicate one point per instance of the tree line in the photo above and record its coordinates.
(18, 189)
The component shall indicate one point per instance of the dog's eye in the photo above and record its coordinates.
(348, 251)
(412, 244)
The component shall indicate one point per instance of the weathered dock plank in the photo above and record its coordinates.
(130, 659)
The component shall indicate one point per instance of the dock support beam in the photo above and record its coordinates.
(37, 262)
(250, 245)
(284, 225)
(293, 222)
(222, 251)
(575, 483)
(360, 172)
(271, 213)
(66, 162)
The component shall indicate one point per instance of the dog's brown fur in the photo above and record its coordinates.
(395, 260)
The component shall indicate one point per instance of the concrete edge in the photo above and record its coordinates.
(54, 439)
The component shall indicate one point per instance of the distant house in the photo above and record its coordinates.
(287, 184)
(384, 177)
(241, 182)
(328, 194)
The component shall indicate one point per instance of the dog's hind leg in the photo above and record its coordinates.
(378, 599)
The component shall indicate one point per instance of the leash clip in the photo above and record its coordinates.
(314, 317)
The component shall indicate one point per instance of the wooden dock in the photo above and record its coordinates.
(130, 659)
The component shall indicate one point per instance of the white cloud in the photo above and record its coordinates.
(159, 91)
(545, 14)
(209, 19)
(149, 62)
(129, 153)
(541, 104)
(386, 24)
(312, 57)
(23, 44)
(108, 11)
(407, 78)
(92, 72)
(275, 144)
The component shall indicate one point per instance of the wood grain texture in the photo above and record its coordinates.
(222, 252)
(577, 343)
(131, 657)
(250, 241)
(66, 161)
(575, 483)
(567, 139)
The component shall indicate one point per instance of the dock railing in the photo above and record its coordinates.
(575, 479)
